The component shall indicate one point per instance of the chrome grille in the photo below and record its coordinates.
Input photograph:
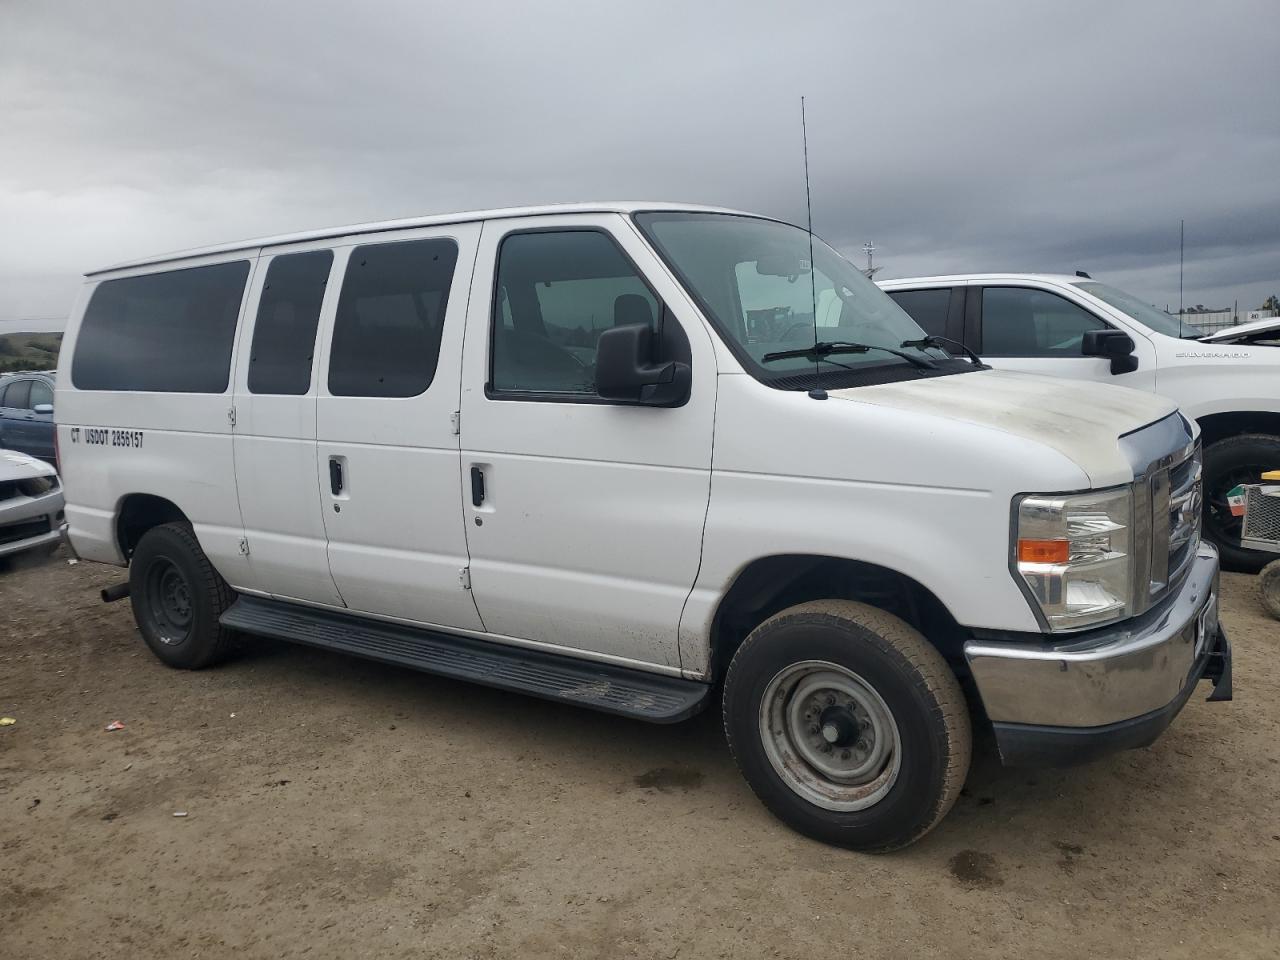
(1184, 515)
(1167, 499)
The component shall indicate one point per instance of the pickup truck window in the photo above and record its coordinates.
(284, 336)
(169, 332)
(926, 307)
(386, 335)
(556, 292)
(1025, 322)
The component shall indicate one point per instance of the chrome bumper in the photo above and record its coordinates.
(1113, 675)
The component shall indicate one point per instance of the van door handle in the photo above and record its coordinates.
(335, 475)
(477, 486)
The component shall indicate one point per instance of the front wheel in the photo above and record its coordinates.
(848, 725)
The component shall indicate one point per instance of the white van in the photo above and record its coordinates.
(1228, 382)
(601, 454)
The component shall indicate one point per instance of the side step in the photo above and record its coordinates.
(629, 693)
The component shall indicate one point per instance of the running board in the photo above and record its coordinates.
(599, 686)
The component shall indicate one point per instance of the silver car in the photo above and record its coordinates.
(30, 504)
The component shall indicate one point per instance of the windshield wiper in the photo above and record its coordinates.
(944, 343)
(823, 349)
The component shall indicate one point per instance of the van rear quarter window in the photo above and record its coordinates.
(386, 335)
(284, 336)
(170, 332)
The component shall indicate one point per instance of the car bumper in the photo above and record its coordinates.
(1116, 688)
(30, 522)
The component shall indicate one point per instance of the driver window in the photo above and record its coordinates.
(1024, 322)
(556, 293)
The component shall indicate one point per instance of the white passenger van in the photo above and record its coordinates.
(604, 455)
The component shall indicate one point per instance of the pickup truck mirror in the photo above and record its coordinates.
(624, 370)
(42, 408)
(1116, 345)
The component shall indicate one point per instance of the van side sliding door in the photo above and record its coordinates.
(388, 458)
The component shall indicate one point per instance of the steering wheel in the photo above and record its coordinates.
(790, 332)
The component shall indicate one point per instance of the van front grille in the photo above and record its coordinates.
(1175, 496)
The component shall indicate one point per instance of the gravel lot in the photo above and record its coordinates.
(343, 809)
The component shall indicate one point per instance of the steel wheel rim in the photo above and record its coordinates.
(169, 600)
(830, 736)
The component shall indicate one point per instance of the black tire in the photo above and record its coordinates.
(177, 598)
(926, 707)
(1229, 462)
(1269, 588)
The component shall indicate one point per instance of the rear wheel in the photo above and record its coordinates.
(1228, 464)
(847, 724)
(177, 598)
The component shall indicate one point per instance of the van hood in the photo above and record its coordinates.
(1080, 419)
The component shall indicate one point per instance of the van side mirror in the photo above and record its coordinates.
(1116, 345)
(624, 370)
(42, 408)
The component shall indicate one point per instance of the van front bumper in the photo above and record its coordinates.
(1117, 688)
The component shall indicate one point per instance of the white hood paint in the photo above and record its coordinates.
(1081, 420)
(19, 466)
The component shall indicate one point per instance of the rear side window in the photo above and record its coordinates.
(284, 335)
(386, 336)
(926, 307)
(167, 332)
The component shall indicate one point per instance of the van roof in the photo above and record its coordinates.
(412, 222)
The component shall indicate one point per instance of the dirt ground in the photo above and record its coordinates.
(337, 808)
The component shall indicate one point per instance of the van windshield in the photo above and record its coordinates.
(752, 278)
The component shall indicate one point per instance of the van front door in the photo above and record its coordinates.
(584, 517)
(387, 452)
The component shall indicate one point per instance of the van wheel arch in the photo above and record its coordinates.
(768, 585)
(140, 512)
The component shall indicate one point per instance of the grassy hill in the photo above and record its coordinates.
(29, 351)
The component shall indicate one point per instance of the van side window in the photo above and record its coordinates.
(284, 336)
(169, 332)
(386, 336)
(556, 292)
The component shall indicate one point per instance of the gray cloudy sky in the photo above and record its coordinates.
(959, 136)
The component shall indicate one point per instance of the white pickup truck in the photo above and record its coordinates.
(1074, 326)
(643, 458)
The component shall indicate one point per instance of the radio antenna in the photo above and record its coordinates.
(817, 392)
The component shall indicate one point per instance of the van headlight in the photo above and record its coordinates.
(1074, 552)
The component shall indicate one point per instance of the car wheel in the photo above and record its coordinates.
(1227, 464)
(848, 725)
(177, 598)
